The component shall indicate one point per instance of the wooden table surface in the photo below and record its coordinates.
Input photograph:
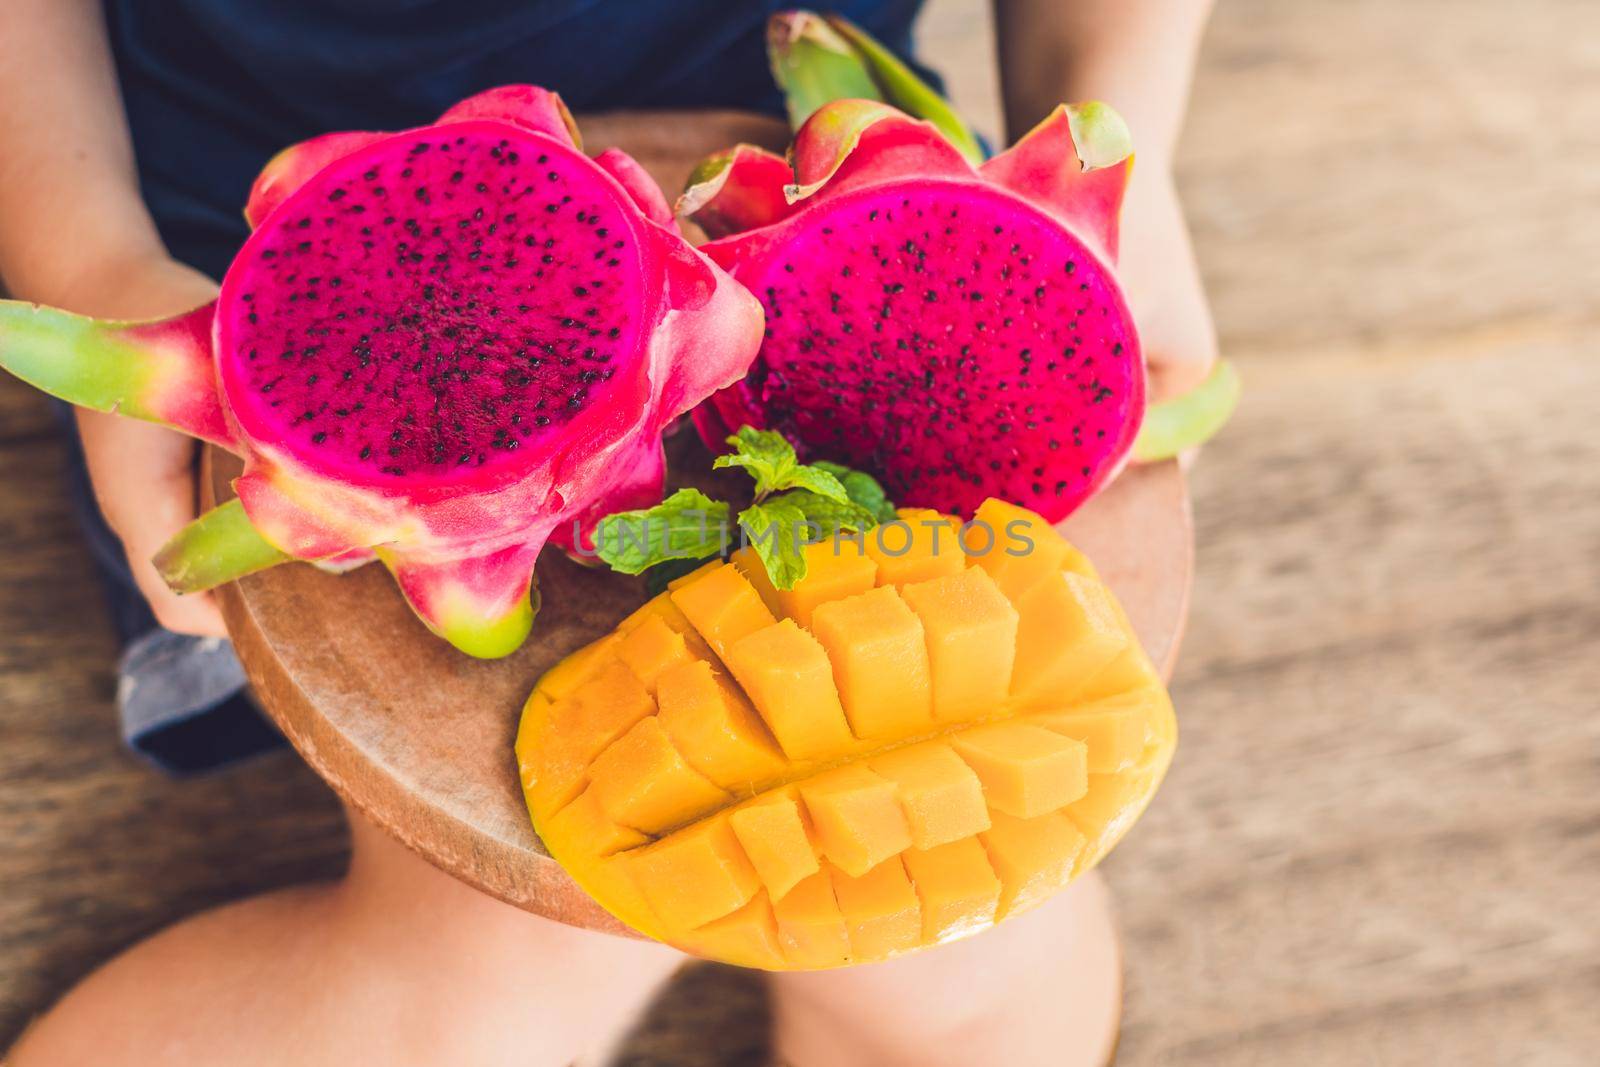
(1379, 843)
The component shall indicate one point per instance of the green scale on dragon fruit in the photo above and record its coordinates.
(958, 331)
(443, 347)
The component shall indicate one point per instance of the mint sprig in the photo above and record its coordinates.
(795, 504)
(862, 489)
(686, 525)
(770, 459)
(775, 531)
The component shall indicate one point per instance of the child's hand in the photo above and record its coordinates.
(144, 475)
(1159, 272)
(1138, 56)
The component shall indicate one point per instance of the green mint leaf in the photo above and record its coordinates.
(777, 530)
(862, 488)
(826, 517)
(764, 454)
(770, 459)
(686, 525)
(817, 480)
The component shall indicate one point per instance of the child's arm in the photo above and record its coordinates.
(1138, 56)
(75, 234)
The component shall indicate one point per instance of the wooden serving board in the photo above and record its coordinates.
(418, 736)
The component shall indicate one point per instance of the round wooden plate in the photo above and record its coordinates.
(418, 737)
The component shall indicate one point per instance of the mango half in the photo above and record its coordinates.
(930, 733)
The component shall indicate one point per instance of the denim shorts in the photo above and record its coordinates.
(184, 702)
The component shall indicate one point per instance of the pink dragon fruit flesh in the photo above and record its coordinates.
(957, 331)
(444, 346)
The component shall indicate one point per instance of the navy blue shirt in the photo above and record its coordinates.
(213, 88)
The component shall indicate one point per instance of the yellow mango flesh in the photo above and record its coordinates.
(1069, 630)
(834, 569)
(652, 648)
(642, 781)
(958, 888)
(790, 681)
(748, 563)
(880, 662)
(751, 933)
(810, 926)
(972, 642)
(1032, 857)
(716, 729)
(773, 832)
(858, 819)
(696, 875)
(1115, 730)
(585, 820)
(854, 769)
(1025, 769)
(721, 605)
(580, 726)
(920, 546)
(882, 916)
(1018, 548)
(941, 796)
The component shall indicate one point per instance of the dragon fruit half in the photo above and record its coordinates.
(958, 331)
(445, 346)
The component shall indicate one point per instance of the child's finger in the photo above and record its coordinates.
(1164, 287)
(143, 477)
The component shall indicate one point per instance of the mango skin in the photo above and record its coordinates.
(849, 848)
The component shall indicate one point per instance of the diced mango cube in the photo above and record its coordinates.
(1115, 729)
(582, 725)
(715, 728)
(1019, 548)
(881, 910)
(652, 647)
(747, 937)
(942, 798)
(1033, 857)
(611, 880)
(1070, 630)
(585, 825)
(644, 611)
(1026, 770)
(693, 576)
(972, 639)
(858, 820)
(1112, 804)
(643, 781)
(1131, 669)
(921, 545)
(834, 568)
(958, 889)
(880, 662)
(788, 677)
(661, 607)
(693, 876)
(810, 926)
(774, 837)
(748, 561)
(565, 677)
(722, 606)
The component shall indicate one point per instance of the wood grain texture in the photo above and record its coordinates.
(1379, 843)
